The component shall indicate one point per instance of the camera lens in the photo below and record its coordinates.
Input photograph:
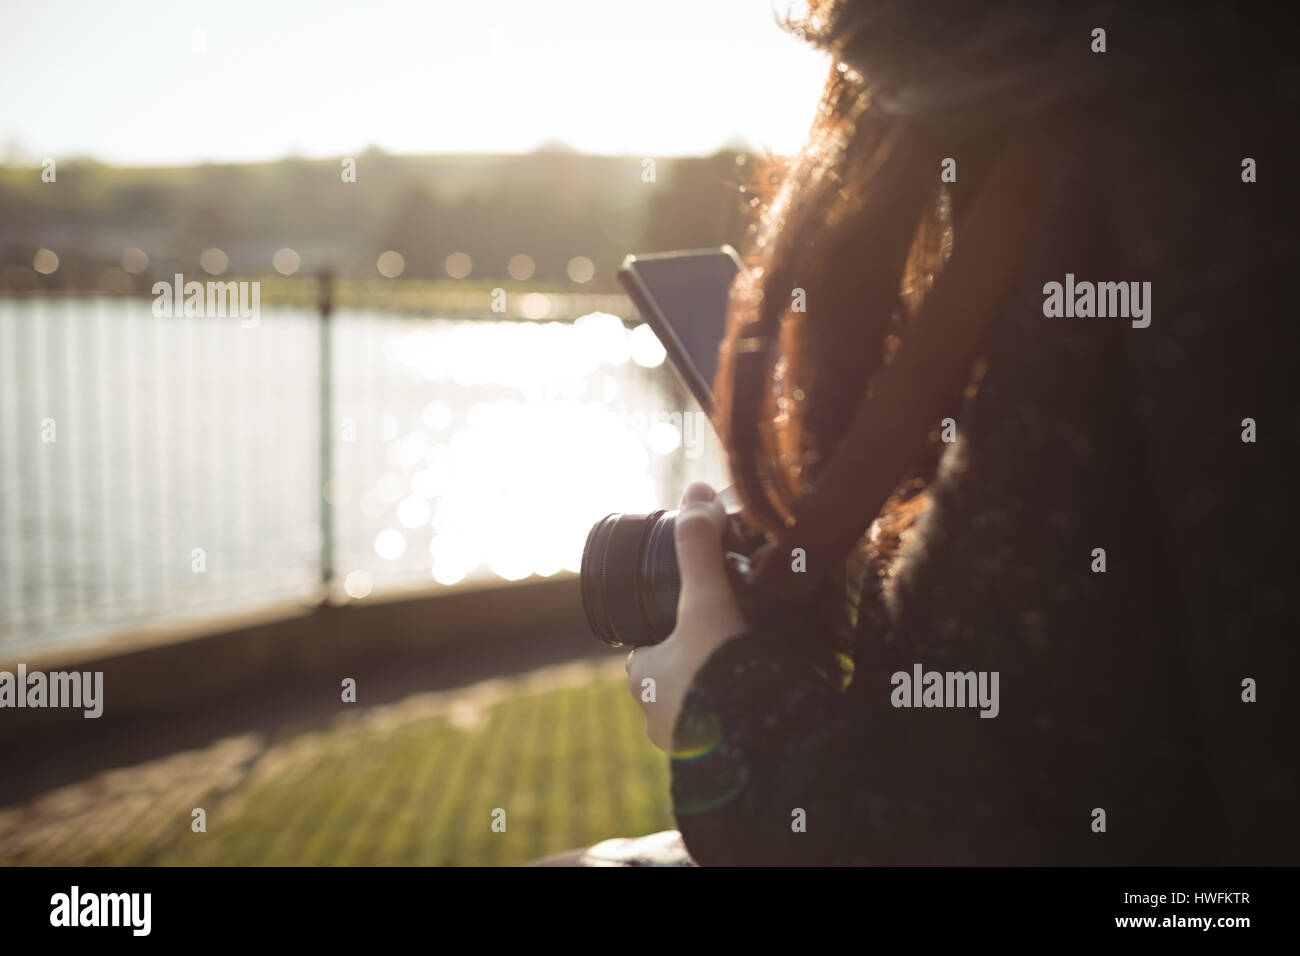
(630, 579)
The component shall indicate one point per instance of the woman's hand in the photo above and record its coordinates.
(707, 616)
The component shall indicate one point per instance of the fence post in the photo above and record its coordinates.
(326, 412)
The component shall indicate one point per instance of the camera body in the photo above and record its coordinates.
(630, 579)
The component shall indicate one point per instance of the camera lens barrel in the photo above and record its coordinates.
(630, 581)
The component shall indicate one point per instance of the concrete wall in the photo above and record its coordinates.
(161, 671)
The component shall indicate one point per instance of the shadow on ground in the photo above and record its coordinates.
(491, 752)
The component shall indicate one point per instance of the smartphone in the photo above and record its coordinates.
(682, 296)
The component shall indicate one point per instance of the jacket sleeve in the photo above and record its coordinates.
(770, 765)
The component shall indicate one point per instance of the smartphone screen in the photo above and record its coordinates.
(683, 297)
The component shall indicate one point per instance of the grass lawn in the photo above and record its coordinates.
(569, 766)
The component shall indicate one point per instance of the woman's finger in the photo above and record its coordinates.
(697, 535)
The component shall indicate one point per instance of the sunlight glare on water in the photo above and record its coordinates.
(518, 437)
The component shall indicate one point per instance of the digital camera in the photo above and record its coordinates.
(630, 579)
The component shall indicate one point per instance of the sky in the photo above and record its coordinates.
(159, 82)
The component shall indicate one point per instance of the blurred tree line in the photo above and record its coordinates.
(552, 205)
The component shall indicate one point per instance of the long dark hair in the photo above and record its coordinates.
(860, 225)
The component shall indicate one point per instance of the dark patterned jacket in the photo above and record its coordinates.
(1120, 691)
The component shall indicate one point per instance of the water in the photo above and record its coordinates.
(158, 468)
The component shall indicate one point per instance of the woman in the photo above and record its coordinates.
(1095, 529)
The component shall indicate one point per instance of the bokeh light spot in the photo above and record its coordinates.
(391, 264)
(458, 265)
(581, 269)
(521, 267)
(213, 261)
(358, 584)
(390, 544)
(135, 260)
(286, 261)
(45, 261)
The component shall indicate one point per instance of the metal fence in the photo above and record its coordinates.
(154, 468)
